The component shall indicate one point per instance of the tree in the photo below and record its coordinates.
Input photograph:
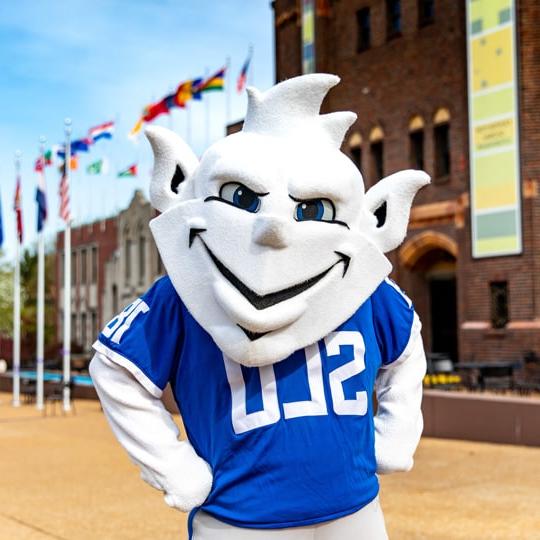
(6, 300)
(29, 278)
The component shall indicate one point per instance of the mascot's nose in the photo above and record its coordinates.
(270, 231)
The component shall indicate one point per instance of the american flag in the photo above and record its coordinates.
(64, 211)
(18, 209)
(242, 77)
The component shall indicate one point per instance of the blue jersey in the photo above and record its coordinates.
(289, 444)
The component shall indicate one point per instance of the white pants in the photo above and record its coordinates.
(366, 524)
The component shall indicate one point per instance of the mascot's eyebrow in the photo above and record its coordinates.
(222, 174)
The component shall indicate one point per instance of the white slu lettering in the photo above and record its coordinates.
(118, 326)
(243, 421)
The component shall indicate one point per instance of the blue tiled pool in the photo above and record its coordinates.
(81, 380)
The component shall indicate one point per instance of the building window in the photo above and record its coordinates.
(94, 265)
(393, 18)
(128, 260)
(95, 329)
(142, 258)
(73, 267)
(363, 30)
(499, 303)
(83, 267)
(83, 330)
(377, 161)
(115, 299)
(74, 337)
(426, 12)
(356, 156)
(416, 149)
(442, 150)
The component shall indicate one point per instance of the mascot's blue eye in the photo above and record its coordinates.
(240, 196)
(315, 210)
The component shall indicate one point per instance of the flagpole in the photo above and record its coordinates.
(207, 109)
(188, 124)
(17, 306)
(67, 281)
(40, 345)
(227, 93)
(251, 71)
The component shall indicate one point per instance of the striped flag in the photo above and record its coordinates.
(103, 131)
(64, 210)
(214, 82)
(242, 77)
(41, 200)
(17, 207)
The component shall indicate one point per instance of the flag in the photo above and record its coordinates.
(103, 131)
(1, 225)
(18, 209)
(78, 145)
(149, 113)
(188, 90)
(129, 172)
(135, 130)
(242, 77)
(98, 167)
(39, 165)
(49, 156)
(63, 191)
(215, 82)
(41, 200)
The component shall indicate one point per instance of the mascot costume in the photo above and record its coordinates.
(274, 326)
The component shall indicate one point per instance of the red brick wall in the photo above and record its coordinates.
(416, 74)
(103, 235)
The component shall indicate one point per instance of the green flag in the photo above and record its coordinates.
(98, 167)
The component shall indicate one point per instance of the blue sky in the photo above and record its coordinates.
(104, 60)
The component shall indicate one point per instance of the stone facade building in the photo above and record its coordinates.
(403, 66)
(113, 261)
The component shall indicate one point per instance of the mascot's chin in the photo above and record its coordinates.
(275, 325)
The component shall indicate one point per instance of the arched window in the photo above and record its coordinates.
(441, 136)
(376, 151)
(416, 143)
(355, 148)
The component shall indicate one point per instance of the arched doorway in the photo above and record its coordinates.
(428, 268)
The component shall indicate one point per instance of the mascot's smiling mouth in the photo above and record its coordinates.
(258, 301)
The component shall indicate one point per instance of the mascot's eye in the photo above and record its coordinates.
(240, 196)
(315, 210)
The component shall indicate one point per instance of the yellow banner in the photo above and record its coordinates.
(493, 128)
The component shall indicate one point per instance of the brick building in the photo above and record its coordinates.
(92, 245)
(403, 66)
(113, 261)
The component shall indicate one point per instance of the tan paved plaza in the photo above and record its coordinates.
(66, 478)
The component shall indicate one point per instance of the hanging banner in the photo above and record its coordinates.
(308, 36)
(493, 128)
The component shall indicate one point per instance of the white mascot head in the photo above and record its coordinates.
(270, 240)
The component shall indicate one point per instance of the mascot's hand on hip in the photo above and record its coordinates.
(275, 324)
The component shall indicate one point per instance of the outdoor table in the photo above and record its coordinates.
(504, 368)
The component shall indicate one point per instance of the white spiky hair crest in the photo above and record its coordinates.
(291, 108)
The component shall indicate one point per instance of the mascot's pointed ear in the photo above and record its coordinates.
(390, 201)
(174, 162)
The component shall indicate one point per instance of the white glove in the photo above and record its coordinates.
(399, 422)
(147, 431)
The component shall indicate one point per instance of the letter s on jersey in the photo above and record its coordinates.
(243, 421)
